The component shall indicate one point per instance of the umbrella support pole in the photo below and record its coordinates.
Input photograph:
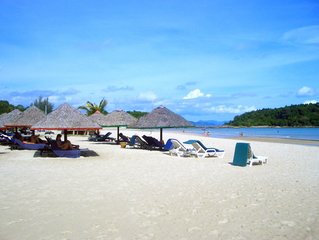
(65, 132)
(161, 137)
(118, 135)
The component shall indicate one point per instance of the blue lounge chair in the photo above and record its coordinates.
(73, 153)
(5, 139)
(244, 155)
(28, 146)
(202, 151)
(132, 141)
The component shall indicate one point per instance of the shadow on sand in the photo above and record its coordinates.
(49, 153)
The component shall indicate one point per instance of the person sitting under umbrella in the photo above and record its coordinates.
(65, 145)
(37, 139)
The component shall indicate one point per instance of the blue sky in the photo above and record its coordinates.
(206, 60)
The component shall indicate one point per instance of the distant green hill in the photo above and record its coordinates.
(289, 116)
(207, 123)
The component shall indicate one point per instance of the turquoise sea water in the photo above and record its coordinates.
(285, 133)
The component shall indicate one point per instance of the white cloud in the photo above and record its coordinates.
(304, 35)
(232, 109)
(54, 99)
(147, 96)
(311, 102)
(113, 88)
(305, 92)
(196, 93)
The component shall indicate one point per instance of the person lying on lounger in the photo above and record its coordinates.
(37, 139)
(65, 145)
(17, 135)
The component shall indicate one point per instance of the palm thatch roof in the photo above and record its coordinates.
(98, 117)
(27, 118)
(65, 117)
(8, 117)
(161, 117)
(118, 118)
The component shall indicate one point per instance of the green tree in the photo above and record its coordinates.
(6, 107)
(91, 108)
(137, 114)
(43, 104)
(20, 107)
(288, 116)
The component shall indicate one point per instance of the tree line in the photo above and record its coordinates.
(289, 116)
(43, 104)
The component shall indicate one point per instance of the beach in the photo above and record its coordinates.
(126, 193)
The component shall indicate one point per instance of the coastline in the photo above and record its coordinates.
(300, 136)
(314, 143)
(306, 142)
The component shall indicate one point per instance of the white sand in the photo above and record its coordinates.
(140, 194)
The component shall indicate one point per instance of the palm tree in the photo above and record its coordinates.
(43, 104)
(91, 108)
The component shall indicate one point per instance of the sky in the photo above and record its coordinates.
(203, 59)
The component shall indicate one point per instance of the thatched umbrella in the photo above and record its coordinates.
(27, 118)
(161, 117)
(118, 118)
(8, 117)
(98, 117)
(2, 116)
(66, 118)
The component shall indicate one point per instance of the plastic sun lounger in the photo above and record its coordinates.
(28, 146)
(153, 142)
(138, 142)
(105, 137)
(202, 151)
(124, 138)
(101, 138)
(175, 147)
(244, 155)
(5, 139)
(72, 153)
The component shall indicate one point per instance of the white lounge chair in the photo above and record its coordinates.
(202, 151)
(175, 147)
(252, 158)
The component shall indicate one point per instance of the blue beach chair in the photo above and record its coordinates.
(72, 153)
(28, 146)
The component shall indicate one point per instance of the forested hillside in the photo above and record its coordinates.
(290, 116)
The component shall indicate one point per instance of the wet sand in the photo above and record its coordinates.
(279, 140)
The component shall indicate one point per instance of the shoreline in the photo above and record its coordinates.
(306, 142)
(314, 143)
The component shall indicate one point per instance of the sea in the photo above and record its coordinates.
(257, 132)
